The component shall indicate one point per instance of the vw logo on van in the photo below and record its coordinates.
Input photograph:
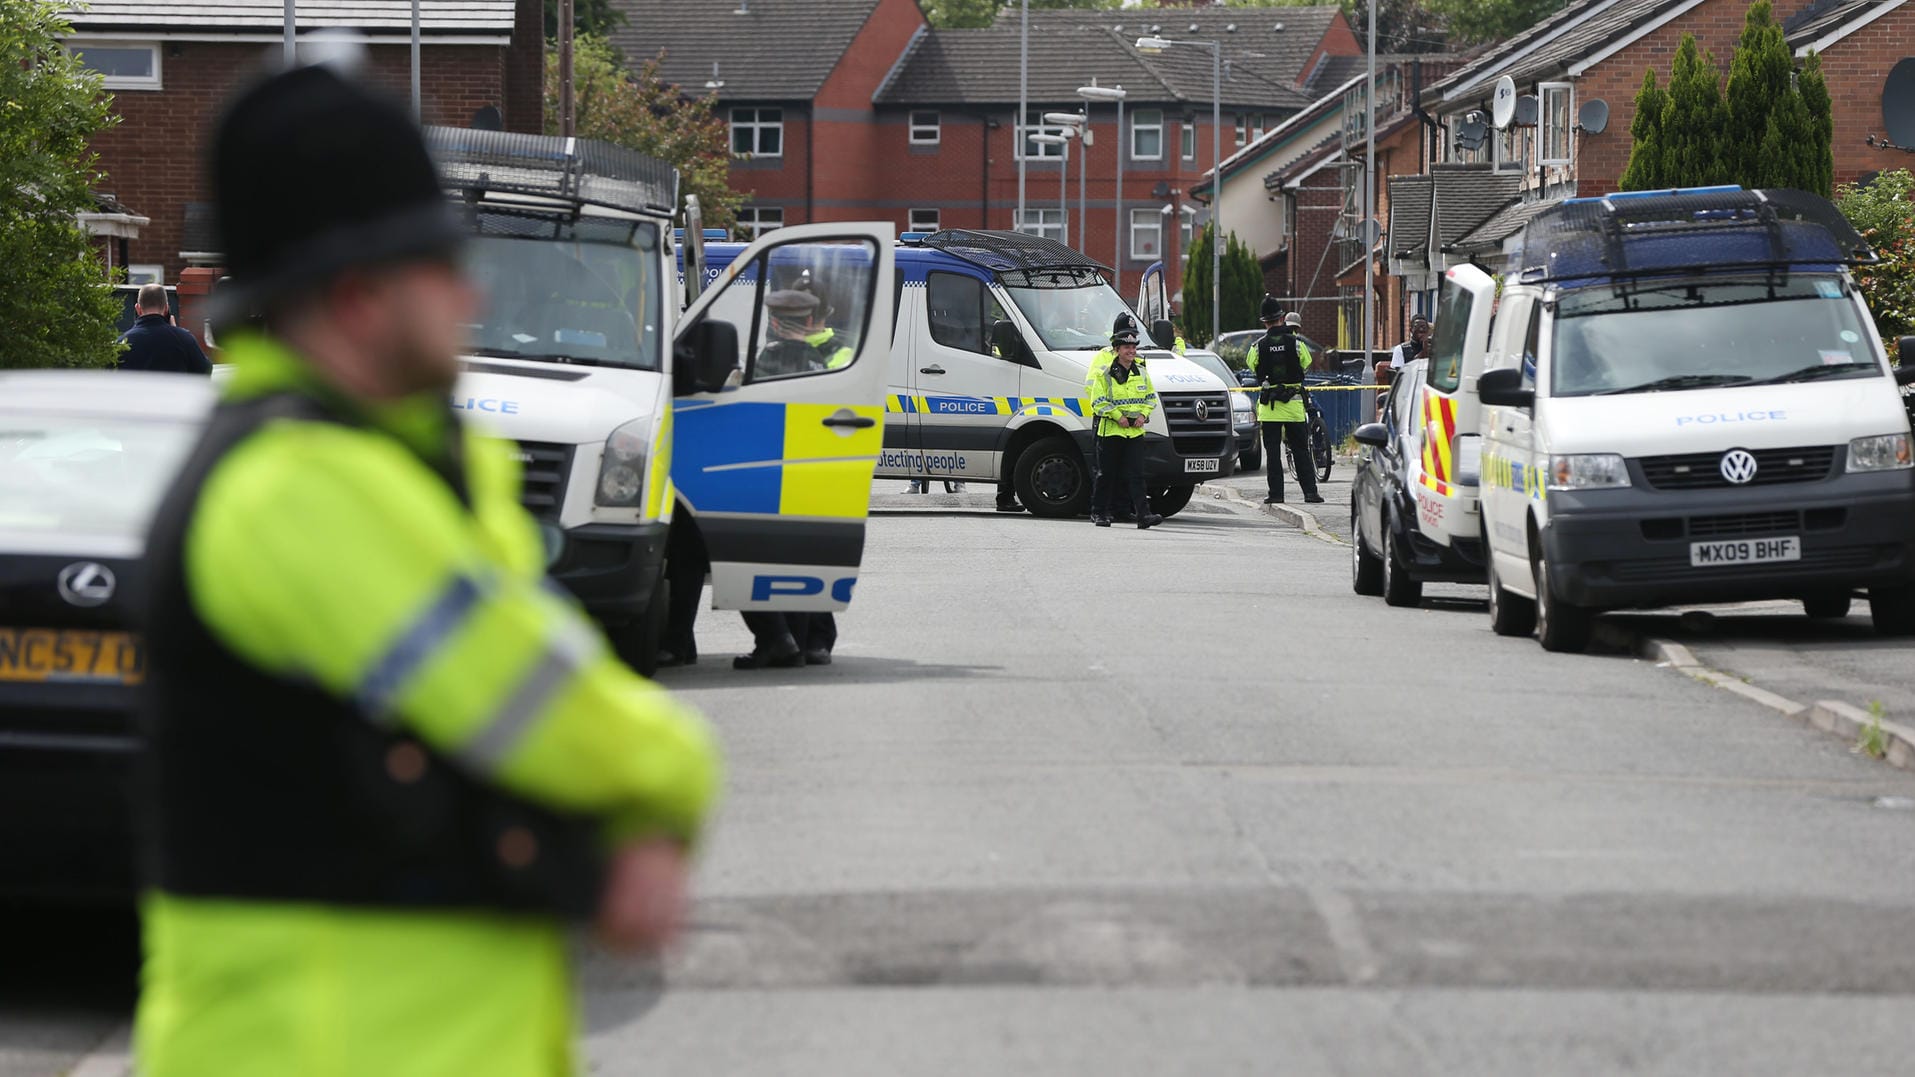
(1738, 466)
(1203, 411)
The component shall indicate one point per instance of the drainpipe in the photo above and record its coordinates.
(811, 154)
(983, 170)
(1429, 121)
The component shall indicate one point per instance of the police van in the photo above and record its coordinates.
(988, 360)
(1683, 399)
(643, 422)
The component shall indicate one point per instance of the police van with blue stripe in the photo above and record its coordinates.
(646, 424)
(989, 355)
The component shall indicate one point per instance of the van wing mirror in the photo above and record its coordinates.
(705, 357)
(1503, 387)
(1007, 342)
(1905, 374)
(1164, 333)
(1375, 435)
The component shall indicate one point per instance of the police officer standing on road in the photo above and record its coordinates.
(1280, 362)
(1122, 399)
(384, 765)
(1100, 362)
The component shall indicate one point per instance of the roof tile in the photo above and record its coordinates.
(779, 50)
(257, 16)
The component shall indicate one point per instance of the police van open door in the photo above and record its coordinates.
(1449, 446)
(1153, 301)
(779, 420)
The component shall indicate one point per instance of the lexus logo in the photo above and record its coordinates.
(1203, 411)
(85, 583)
(1738, 466)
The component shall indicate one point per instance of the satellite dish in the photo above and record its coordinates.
(1502, 102)
(487, 118)
(1593, 117)
(1527, 109)
(1898, 103)
(1471, 132)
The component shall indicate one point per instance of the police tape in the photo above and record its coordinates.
(1323, 389)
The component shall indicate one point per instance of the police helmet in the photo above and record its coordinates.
(1123, 323)
(1270, 310)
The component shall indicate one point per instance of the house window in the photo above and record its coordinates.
(758, 132)
(1146, 234)
(924, 128)
(145, 274)
(924, 220)
(1243, 130)
(1555, 112)
(121, 65)
(1187, 132)
(1186, 230)
(1256, 132)
(1147, 135)
(1048, 223)
(1034, 125)
(755, 221)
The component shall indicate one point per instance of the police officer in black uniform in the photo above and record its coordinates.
(1280, 362)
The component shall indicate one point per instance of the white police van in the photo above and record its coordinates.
(989, 356)
(642, 429)
(1684, 400)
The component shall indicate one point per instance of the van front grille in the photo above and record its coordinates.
(1703, 470)
(546, 466)
(1199, 423)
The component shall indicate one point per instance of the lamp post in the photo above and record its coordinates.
(1023, 103)
(1159, 44)
(1077, 126)
(290, 32)
(1115, 94)
(1062, 141)
(1369, 194)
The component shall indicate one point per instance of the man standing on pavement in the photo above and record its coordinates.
(385, 766)
(1122, 399)
(1280, 362)
(155, 343)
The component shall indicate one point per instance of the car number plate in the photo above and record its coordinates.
(78, 655)
(1203, 465)
(1744, 551)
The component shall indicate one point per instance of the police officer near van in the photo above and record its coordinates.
(1122, 399)
(384, 766)
(1280, 362)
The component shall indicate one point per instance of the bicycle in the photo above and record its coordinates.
(1319, 435)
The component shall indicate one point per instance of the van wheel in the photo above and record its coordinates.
(636, 642)
(1893, 609)
(1827, 607)
(1366, 569)
(1052, 479)
(1171, 500)
(1399, 588)
(1560, 626)
(1251, 460)
(1509, 615)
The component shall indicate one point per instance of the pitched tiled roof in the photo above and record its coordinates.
(1410, 198)
(1508, 221)
(1549, 48)
(488, 17)
(1816, 21)
(1250, 35)
(782, 50)
(1466, 196)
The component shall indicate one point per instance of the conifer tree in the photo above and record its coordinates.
(1645, 131)
(1693, 120)
(1761, 80)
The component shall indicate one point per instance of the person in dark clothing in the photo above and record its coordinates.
(154, 343)
(1280, 360)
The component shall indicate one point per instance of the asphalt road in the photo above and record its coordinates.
(1086, 801)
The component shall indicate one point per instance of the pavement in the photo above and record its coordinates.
(1075, 800)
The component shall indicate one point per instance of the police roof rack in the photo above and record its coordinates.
(1708, 228)
(578, 171)
(1018, 257)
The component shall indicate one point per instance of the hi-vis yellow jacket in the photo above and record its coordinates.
(1111, 398)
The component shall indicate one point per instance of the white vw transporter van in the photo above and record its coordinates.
(1684, 400)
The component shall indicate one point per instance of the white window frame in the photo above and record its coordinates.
(146, 273)
(1138, 125)
(755, 221)
(1048, 223)
(911, 220)
(1187, 139)
(1146, 222)
(1034, 125)
(1243, 130)
(1186, 231)
(757, 125)
(1256, 131)
(1543, 93)
(925, 134)
(124, 82)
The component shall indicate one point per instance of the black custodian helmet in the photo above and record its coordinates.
(1270, 310)
(1124, 330)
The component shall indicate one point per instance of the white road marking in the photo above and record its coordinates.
(111, 1057)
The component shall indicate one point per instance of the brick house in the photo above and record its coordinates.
(897, 121)
(171, 69)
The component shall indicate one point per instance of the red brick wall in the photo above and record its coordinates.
(525, 69)
(1311, 272)
(776, 181)
(1856, 68)
(154, 159)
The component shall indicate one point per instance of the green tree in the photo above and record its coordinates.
(1240, 293)
(1761, 77)
(1884, 212)
(55, 300)
(1692, 120)
(1814, 89)
(1785, 158)
(1197, 288)
(1644, 172)
(594, 18)
(643, 112)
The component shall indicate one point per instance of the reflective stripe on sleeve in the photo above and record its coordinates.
(415, 646)
(568, 649)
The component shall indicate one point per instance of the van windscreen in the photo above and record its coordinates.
(1655, 336)
(1074, 319)
(560, 290)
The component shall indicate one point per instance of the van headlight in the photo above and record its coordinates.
(1587, 471)
(1884, 452)
(1240, 406)
(621, 471)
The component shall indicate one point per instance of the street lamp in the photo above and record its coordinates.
(1063, 175)
(1152, 45)
(1115, 94)
(1077, 125)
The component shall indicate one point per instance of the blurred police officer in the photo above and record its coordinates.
(1122, 399)
(385, 766)
(155, 343)
(1280, 362)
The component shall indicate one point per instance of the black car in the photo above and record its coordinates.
(85, 457)
(1389, 554)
